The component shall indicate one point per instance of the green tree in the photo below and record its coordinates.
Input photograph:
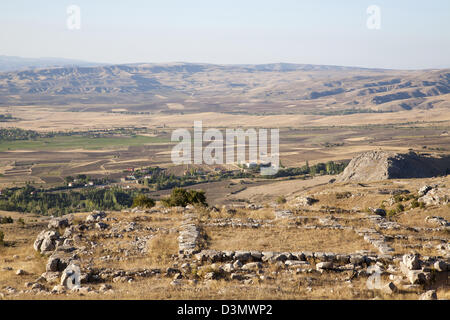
(181, 197)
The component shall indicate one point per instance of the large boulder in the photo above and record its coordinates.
(46, 241)
(429, 295)
(58, 223)
(305, 201)
(59, 261)
(50, 276)
(411, 261)
(96, 216)
(70, 277)
(436, 196)
(437, 221)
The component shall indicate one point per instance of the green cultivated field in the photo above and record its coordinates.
(79, 142)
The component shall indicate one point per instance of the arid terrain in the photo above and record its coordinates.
(360, 233)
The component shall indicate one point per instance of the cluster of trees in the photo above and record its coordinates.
(181, 198)
(12, 134)
(330, 167)
(141, 200)
(6, 117)
(41, 201)
(158, 178)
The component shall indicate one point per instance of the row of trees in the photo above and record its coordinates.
(330, 167)
(13, 134)
(6, 117)
(31, 200)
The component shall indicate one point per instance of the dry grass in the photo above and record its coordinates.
(296, 287)
(17, 252)
(262, 214)
(282, 236)
(161, 248)
(282, 239)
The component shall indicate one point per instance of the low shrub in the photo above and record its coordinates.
(143, 201)
(281, 200)
(181, 198)
(5, 220)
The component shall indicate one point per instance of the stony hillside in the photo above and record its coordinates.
(341, 245)
(381, 165)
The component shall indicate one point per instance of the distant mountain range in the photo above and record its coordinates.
(11, 63)
(189, 87)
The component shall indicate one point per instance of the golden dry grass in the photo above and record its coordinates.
(46, 119)
(282, 239)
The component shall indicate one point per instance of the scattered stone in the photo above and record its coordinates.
(283, 214)
(95, 216)
(237, 264)
(58, 289)
(440, 266)
(423, 190)
(326, 265)
(437, 221)
(252, 266)
(305, 201)
(37, 286)
(105, 287)
(50, 277)
(389, 288)
(411, 261)
(101, 225)
(176, 283)
(58, 223)
(429, 295)
(46, 241)
(20, 272)
(436, 196)
(228, 267)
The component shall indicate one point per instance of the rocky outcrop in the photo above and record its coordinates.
(382, 165)
(435, 195)
(46, 241)
(437, 221)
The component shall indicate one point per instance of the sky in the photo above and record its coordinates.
(411, 35)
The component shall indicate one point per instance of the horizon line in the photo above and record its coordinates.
(217, 64)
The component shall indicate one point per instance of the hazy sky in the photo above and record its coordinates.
(413, 34)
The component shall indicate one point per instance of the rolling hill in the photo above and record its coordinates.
(269, 88)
